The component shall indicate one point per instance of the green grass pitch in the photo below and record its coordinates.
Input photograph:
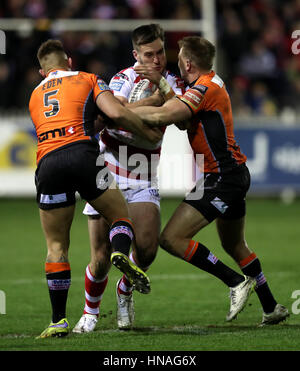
(187, 307)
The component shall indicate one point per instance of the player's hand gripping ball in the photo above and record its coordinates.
(143, 89)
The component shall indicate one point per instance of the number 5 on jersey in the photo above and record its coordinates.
(51, 102)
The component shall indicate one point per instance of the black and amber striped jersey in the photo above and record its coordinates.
(212, 132)
(63, 109)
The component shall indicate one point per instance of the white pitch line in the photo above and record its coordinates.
(154, 277)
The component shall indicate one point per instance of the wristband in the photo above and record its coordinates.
(165, 89)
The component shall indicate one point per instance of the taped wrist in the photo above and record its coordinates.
(165, 89)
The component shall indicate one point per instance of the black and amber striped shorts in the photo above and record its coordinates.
(221, 195)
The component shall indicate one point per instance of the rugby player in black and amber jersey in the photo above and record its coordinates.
(206, 105)
(63, 109)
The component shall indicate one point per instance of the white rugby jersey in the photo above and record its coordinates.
(137, 150)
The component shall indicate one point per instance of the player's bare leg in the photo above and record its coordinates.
(56, 226)
(180, 229)
(176, 238)
(100, 246)
(232, 236)
(96, 275)
(146, 219)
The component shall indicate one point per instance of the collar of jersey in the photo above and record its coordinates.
(56, 69)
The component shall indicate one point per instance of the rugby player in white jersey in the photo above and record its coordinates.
(133, 161)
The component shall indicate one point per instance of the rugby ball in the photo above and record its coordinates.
(143, 89)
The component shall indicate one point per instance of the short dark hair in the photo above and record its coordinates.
(199, 50)
(147, 34)
(50, 46)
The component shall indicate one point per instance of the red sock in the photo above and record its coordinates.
(93, 292)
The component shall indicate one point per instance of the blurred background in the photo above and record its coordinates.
(256, 57)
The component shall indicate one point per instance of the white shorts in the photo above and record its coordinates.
(132, 195)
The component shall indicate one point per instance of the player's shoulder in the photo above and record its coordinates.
(124, 79)
(127, 74)
(210, 81)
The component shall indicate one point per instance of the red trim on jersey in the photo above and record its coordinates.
(127, 174)
(138, 79)
(114, 144)
(121, 172)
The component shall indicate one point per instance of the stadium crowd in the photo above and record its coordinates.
(254, 46)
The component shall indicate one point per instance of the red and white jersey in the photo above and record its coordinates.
(137, 149)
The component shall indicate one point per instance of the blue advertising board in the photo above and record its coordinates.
(273, 157)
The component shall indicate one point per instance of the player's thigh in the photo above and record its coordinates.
(111, 204)
(56, 224)
(98, 234)
(146, 221)
(100, 246)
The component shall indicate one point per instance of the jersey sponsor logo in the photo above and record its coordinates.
(193, 98)
(217, 80)
(154, 192)
(201, 88)
(116, 85)
(120, 75)
(219, 204)
(102, 85)
(53, 199)
(180, 84)
(70, 130)
(61, 132)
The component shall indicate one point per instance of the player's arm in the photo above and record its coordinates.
(154, 100)
(172, 112)
(125, 118)
(165, 91)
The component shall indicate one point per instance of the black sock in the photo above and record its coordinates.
(58, 284)
(205, 260)
(253, 269)
(121, 235)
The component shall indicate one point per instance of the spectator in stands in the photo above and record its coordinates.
(254, 38)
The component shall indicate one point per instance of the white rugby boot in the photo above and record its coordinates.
(125, 310)
(239, 296)
(279, 314)
(87, 323)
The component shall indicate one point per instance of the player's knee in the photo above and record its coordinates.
(166, 242)
(236, 248)
(146, 253)
(146, 258)
(100, 269)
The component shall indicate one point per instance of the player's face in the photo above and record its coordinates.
(182, 65)
(153, 54)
